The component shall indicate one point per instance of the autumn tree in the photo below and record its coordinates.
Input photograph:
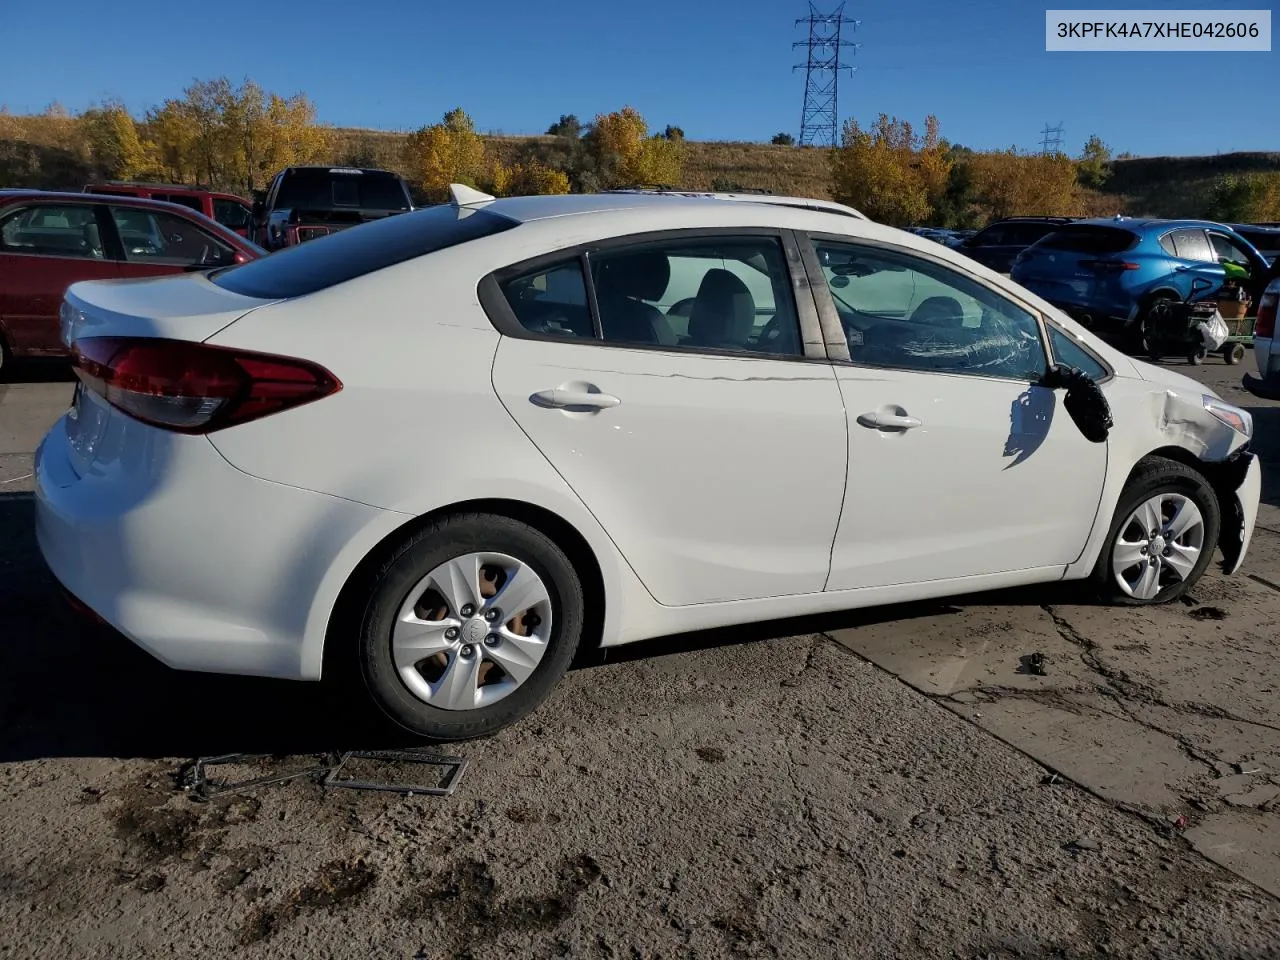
(443, 153)
(1245, 198)
(624, 152)
(525, 179)
(112, 141)
(1010, 183)
(889, 172)
(1094, 166)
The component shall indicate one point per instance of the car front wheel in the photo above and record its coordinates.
(1162, 537)
(470, 624)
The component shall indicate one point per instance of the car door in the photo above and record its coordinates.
(232, 214)
(44, 248)
(1195, 260)
(157, 242)
(959, 465)
(709, 444)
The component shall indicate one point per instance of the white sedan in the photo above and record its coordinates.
(443, 451)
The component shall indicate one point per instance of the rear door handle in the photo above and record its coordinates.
(888, 421)
(560, 398)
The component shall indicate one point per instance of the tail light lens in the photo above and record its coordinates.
(1265, 325)
(192, 387)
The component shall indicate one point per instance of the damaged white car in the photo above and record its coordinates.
(443, 451)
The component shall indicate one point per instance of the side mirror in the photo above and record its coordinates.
(1085, 402)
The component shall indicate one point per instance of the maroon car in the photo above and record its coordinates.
(48, 241)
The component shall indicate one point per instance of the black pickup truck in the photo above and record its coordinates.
(303, 203)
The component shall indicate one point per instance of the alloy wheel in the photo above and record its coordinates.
(1158, 545)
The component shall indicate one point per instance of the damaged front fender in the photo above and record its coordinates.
(1238, 484)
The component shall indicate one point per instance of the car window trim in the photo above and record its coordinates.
(827, 307)
(165, 262)
(1049, 324)
(495, 305)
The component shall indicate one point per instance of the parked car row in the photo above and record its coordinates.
(117, 229)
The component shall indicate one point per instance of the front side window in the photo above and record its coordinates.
(150, 236)
(730, 293)
(1067, 351)
(907, 313)
(53, 230)
(1225, 248)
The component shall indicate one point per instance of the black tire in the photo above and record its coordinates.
(1197, 357)
(1155, 475)
(438, 543)
(1146, 339)
(1233, 353)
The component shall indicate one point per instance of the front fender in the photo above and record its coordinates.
(1238, 484)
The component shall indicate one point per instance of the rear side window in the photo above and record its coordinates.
(328, 261)
(1193, 245)
(1096, 240)
(183, 199)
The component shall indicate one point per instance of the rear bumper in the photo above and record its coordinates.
(201, 565)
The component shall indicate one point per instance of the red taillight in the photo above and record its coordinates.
(192, 387)
(1265, 325)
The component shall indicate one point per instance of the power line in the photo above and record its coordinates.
(819, 123)
(1051, 139)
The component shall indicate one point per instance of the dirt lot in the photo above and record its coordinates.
(895, 783)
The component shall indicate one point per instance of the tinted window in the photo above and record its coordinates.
(1166, 244)
(1193, 245)
(184, 199)
(323, 189)
(1067, 351)
(1088, 239)
(317, 264)
(551, 301)
(55, 230)
(707, 294)
(1028, 233)
(230, 214)
(902, 312)
(150, 236)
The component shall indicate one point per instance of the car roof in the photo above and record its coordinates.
(546, 207)
(1254, 228)
(161, 187)
(1145, 223)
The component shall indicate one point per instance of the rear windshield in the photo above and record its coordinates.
(339, 257)
(1086, 239)
(319, 189)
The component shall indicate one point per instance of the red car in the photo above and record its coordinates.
(48, 241)
(229, 210)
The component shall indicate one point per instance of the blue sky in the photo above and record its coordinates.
(721, 69)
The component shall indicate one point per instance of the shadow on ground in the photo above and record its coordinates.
(71, 688)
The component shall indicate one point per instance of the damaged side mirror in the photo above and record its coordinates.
(1084, 402)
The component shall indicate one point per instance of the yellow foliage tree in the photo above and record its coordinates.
(527, 179)
(889, 172)
(443, 153)
(626, 154)
(1008, 183)
(111, 138)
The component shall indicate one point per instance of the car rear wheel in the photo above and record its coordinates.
(469, 626)
(1162, 537)
(1147, 330)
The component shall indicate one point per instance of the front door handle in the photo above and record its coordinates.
(888, 421)
(561, 398)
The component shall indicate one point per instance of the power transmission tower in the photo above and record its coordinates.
(1051, 139)
(819, 123)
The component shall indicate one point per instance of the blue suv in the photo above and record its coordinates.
(1108, 272)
